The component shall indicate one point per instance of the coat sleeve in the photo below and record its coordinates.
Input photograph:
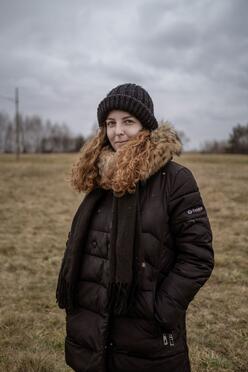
(192, 236)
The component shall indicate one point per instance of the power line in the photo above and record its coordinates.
(7, 98)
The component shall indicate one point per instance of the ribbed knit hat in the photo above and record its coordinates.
(131, 98)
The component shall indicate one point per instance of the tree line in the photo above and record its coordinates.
(37, 136)
(237, 143)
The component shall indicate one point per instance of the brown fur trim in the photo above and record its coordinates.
(141, 157)
(137, 160)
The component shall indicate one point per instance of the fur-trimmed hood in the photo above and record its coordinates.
(137, 160)
(150, 152)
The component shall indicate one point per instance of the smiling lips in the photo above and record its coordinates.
(120, 142)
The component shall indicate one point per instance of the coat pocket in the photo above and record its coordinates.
(145, 339)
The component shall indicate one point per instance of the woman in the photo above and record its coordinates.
(139, 248)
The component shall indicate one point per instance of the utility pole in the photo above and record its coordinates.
(17, 119)
(17, 123)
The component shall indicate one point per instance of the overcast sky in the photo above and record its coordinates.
(191, 56)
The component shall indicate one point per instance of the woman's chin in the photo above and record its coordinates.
(119, 145)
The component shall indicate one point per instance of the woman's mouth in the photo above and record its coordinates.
(119, 142)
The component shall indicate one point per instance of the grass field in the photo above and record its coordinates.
(37, 206)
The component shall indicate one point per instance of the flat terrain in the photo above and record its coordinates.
(37, 206)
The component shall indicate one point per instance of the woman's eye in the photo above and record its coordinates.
(110, 124)
(128, 122)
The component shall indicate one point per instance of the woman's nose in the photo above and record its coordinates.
(119, 129)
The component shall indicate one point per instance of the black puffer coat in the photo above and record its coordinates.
(177, 241)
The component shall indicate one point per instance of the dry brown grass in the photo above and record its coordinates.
(36, 210)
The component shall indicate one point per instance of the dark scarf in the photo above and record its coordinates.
(126, 260)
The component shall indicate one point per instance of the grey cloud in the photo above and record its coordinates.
(200, 42)
(191, 56)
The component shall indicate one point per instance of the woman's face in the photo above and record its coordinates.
(121, 126)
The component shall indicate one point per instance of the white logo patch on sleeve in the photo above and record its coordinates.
(195, 210)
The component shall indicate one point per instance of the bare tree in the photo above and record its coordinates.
(10, 137)
(238, 140)
(215, 147)
(38, 136)
(4, 119)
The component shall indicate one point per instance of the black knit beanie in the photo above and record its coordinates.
(131, 98)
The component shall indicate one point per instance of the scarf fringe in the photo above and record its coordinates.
(61, 292)
(120, 297)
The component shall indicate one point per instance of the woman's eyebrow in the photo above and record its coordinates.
(127, 117)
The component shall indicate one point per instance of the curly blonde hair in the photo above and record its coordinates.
(84, 173)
